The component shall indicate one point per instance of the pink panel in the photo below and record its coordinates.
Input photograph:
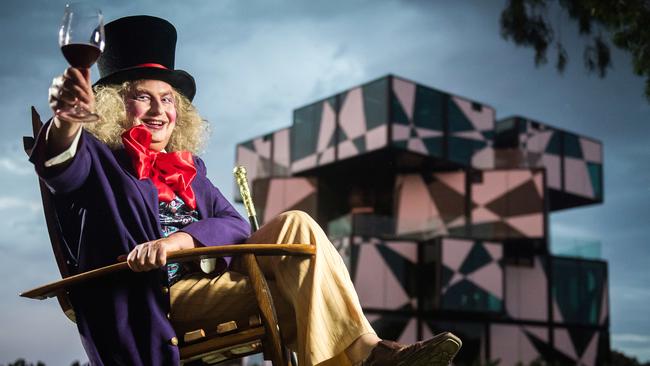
(539, 332)
(284, 193)
(539, 183)
(426, 332)
(369, 271)
(351, 117)
(401, 132)
(410, 333)
(527, 352)
(505, 344)
(589, 356)
(327, 156)
(511, 345)
(281, 147)
(454, 252)
(489, 278)
(376, 138)
(460, 221)
(251, 161)
(457, 277)
(416, 144)
(327, 127)
(396, 297)
(531, 226)
(425, 132)
(563, 343)
(372, 317)
(516, 178)
(407, 249)
(405, 92)
(495, 250)
(347, 149)
(415, 208)
(304, 163)
(576, 177)
(375, 283)
(483, 120)
(553, 175)
(262, 147)
(537, 143)
(526, 293)
(591, 150)
(484, 158)
(481, 215)
(455, 181)
(604, 310)
(471, 135)
(494, 185)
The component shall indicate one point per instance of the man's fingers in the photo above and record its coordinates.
(161, 257)
(147, 256)
(142, 255)
(131, 260)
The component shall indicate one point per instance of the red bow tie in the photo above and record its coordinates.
(171, 173)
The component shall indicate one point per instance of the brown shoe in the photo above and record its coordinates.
(437, 351)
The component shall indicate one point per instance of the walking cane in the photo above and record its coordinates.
(242, 182)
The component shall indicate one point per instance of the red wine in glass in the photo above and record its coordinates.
(80, 55)
(81, 38)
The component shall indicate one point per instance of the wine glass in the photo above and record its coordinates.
(81, 39)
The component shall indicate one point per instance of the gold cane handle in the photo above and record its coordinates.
(242, 182)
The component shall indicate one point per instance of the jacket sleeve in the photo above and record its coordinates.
(224, 225)
(62, 179)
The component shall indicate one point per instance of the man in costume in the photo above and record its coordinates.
(132, 185)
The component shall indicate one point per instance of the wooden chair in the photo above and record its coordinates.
(201, 346)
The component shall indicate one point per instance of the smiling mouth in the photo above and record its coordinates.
(154, 124)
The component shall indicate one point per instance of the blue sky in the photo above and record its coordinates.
(255, 61)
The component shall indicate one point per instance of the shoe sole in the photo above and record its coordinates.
(439, 351)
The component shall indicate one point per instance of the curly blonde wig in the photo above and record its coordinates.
(190, 134)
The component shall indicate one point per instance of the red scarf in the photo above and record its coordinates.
(172, 173)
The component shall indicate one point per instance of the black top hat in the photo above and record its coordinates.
(142, 47)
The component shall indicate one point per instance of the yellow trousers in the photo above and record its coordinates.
(317, 305)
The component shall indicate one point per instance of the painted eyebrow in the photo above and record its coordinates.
(145, 91)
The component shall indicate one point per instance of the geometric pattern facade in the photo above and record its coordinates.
(389, 111)
(508, 204)
(452, 235)
(526, 291)
(518, 344)
(580, 346)
(472, 275)
(430, 206)
(448, 274)
(580, 293)
(503, 204)
(573, 163)
(430, 122)
(384, 273)
(265, 156)
(276, 195)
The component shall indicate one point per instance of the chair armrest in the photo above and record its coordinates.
(54, 288)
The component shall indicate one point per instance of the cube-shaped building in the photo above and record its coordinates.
(441, 215)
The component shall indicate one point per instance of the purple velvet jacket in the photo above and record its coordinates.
(104, 211)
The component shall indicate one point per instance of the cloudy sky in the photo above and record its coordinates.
(255, 61)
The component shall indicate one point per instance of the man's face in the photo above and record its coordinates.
(151, 103)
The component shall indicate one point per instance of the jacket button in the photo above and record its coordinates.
(165, 290)
(169, 315)
(173, 341)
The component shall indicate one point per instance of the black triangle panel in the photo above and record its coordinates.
(477, 258)
(405, 271)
